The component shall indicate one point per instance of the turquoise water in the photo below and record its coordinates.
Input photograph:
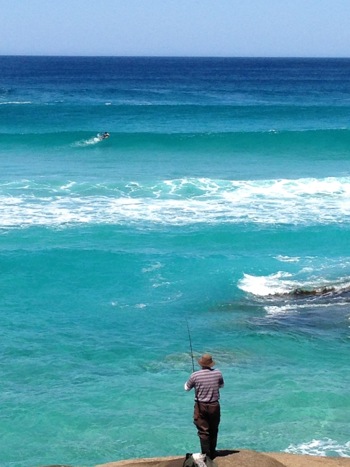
(220, 200)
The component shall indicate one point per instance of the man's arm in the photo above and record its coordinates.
(189, 384)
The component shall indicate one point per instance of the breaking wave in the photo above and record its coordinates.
(177, 202)
(282, 284)
(321, 447)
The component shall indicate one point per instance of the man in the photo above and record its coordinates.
(104, 135)
(206, 383)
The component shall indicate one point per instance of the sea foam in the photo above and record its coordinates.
(179, 202)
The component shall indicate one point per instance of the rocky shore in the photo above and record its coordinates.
(237, 458)
(242, 458)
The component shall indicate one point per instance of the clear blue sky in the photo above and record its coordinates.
(299, 28)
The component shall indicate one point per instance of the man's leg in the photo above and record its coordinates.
(200, 419)
(214, 421)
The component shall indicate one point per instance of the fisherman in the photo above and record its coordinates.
(206, 382)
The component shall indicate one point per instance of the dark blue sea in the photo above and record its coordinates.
(221, 202)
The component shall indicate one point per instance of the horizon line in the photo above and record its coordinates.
(292, 57)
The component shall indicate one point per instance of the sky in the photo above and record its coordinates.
(219, 28)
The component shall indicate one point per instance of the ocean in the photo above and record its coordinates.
(217, 215)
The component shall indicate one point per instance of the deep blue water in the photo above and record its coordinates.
(221, 200)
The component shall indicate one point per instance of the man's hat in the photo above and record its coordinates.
(206, 360)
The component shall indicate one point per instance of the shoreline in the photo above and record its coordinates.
(241, 458)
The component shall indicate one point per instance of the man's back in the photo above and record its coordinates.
(206, 382)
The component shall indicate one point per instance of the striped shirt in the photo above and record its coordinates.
(207, 383)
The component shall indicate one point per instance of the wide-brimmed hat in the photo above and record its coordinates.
(206, 360)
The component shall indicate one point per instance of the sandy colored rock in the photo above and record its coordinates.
(241, 458)
(296, 460)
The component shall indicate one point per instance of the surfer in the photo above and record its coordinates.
(104, 135)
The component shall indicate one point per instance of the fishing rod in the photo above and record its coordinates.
(189, 338)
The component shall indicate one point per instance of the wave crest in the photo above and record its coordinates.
(282, 285)
(177, 202)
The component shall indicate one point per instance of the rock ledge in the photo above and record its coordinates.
(241, 458)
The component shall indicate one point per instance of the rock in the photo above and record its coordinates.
(241, 458)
